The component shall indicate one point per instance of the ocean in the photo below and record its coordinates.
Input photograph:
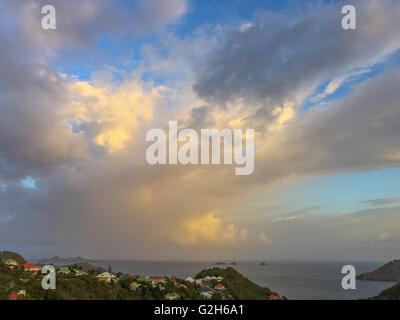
(305, 280)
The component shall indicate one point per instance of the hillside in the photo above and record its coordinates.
(70, 286)
(237, 286)
(393, 293)
(88, 287)
(4, 255)
(388, 272)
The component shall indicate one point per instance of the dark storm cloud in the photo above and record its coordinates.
(282, 56)
(356, 134)
(32, 135)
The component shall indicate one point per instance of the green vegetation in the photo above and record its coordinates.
(87, 287)
(393, 293)
(78, 286)
(4, 255)
(237, 286)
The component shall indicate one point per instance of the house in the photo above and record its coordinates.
(274, 296)
(157, 279)
(144, 279)
(206, 295)
(106, 277)
(21, 293)
(64, 270)
(31, 267)
(154, 281)
(13, 296)
(79, 273)
(182, 286)
(173, 278)
(11, 263)
(211, 278)
(172, 296)
(134, 286)
(219, 286)
(190, 279)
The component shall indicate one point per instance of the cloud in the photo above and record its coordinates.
(283, 57)
(33, 133)
(84, 141)
(358, 133)
(210, 230)
(366, 234)
(109, 114)
(83, 22)
(382, 201)
(297, 214)
(263, 238)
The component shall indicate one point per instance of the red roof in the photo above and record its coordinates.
(173, 278)
(157, 278)
(274, 295)
(13, 296)
(30, 265)
(220, 286)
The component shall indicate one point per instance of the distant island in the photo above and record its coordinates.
(263, 264)
(87, 267)
(221, 263)
(56, 260)
(389, 272)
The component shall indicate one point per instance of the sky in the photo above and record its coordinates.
(76, 104)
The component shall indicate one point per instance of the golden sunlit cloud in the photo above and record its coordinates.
(208, 229)
(282, 115)
(113, 111)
